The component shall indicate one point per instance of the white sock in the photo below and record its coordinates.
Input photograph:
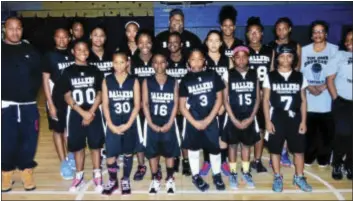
(79, 175)
(194, 161)
(215, 163)
(97, 173)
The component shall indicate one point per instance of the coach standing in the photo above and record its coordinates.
(176, 24)
(21, 80)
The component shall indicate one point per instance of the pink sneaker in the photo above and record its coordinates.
(225, 169)
(76, 184)
(98, 181)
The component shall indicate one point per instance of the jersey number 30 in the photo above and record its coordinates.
(122, 107)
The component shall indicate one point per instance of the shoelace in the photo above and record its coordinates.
(302, 181)
(248, 177)
(205, 166)
(278, 180)
(76, 182)
(109, 185)
(142, 170)
(125, 185)
(98, 181)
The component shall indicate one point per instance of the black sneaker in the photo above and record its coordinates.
(258, 166)
(200, 183)
(337, 173)
(176, 164)
(125, 187)
(159, 173)
(140, 173)
(349, 173)
(110, 187)
(218, 182)
(186, 167)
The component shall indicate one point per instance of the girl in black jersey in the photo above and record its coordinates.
(141, 66)
(177, 68)
(261, 60)
(98, 55)
(121, 105)
(54, 63)
(81, 83)
(128, 45)
(283, 29)
(218, 62)
(285, 108)
(227, 19)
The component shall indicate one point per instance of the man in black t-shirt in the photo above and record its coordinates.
(21, 80)
(176, 24)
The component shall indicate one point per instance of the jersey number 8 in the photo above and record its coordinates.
(261, 73)
(78, 96)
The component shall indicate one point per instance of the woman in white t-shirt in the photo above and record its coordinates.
(315, 60)
(339, 83)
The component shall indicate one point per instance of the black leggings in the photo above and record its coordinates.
(319, 138)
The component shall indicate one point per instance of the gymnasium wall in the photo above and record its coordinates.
(41, 18)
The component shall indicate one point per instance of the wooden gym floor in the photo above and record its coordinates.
(50, 185)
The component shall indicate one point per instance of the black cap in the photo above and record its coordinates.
(285, 49)
(176, 11)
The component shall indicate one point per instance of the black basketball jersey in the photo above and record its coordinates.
(177, 70)
(228, 51)
(84, 82)
(141, 69)
(291, 43)
(261, 61)
(286, 94)
(121, 98)
(161, 99)
(220, 67)
(54, 63)
(201, 90)
(104, 64)
(242, 91)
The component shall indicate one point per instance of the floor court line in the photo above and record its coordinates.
(319, 191)
(332, 189)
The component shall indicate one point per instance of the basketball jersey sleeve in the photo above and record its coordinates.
(225, 76)
(305, 83)
(64, 82)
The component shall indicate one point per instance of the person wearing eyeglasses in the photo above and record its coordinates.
(314, 62)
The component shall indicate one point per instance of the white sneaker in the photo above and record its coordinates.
(307, 165)
(155, 186)
(98, 182)
(170, 186)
